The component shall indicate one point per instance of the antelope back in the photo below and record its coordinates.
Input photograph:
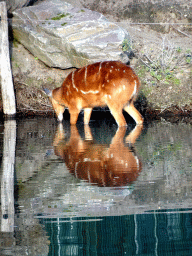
(96, 82)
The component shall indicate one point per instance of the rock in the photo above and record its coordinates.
(15, 4)
(65, 36)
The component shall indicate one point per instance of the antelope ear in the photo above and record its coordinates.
(47, 91)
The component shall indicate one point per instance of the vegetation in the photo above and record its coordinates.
(126, 45)
(61, 16)
(81, 10)
(165, 66)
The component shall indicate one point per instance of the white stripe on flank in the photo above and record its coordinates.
(94, 92)
(135, 90)
(100, 66)
(85, 78)
(73, 83)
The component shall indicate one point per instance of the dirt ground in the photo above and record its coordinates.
(163, 62)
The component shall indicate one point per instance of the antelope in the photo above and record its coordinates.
(107, 83)
(104, 165)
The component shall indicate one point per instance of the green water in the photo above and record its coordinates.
(168, 233)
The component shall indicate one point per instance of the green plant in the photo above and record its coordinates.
(15, 43)
(179, 49)
(156, 75)
(49, 79)
(16, 65)
(60, 16)
(146, 91)
(188, 60)
(126, 45)
(176, 81)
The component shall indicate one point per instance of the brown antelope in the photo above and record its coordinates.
(104, 165)
(110, 83)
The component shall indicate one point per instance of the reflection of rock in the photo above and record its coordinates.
(108, 166)
(32, 142)
(65, 36)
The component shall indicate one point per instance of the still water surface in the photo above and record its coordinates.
(95, 190)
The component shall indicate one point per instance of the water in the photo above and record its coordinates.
(95, 190)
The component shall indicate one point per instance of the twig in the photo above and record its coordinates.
(145, 63)
(148, 58)
(163, 48)
(181, 32)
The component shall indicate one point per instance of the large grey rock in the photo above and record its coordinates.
(65, 36)
(15, 4)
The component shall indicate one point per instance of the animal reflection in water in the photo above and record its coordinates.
(104, 165)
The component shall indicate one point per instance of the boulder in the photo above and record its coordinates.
(65, 36)
(15, 4)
